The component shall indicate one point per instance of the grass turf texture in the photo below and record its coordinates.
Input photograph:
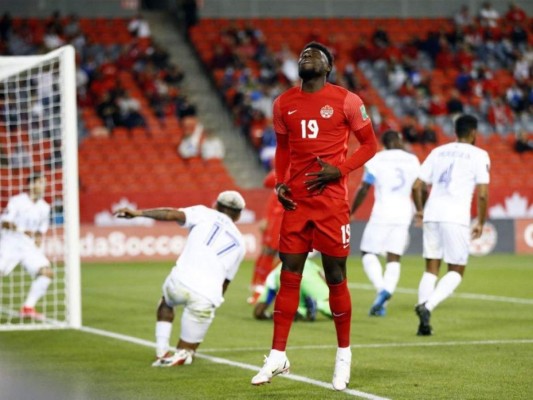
(389, 360)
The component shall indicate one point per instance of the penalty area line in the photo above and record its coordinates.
(218, 360)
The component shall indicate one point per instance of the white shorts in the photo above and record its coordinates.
(198, 313)
(446, 241)
(385, 238)
(17, 248)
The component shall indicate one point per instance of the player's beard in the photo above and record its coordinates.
(308, 74)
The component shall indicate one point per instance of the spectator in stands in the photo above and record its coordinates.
(129, 110)
(189, 146)
(428, 134)
(138, 27)
(52, 39)
(463, 18)
(108, 111)
(523, 143)
(454, 105)
(380, 38)
(212, 147)
(72, 27)
(488, 16)
(500, 116)
(190, 13)
(6, 25)
(410, 130)
(515, 14)
(174, 75)
(54, 160)
(184, 108)
(268, 148)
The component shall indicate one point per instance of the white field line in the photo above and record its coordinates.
(471, 296)
(380, 345)
(218, 360)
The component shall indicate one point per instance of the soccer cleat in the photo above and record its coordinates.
(341, 375)
(271, 369)
(378, 309)
(181, 357)
(157, 362)
(30, 312)
(424, 328)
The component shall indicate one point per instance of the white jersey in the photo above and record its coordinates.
(392, 172)
(453, 170)
(26, 214)
(212, 254)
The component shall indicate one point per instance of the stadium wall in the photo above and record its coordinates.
(158, 241)
(84, 8)
(347, 8)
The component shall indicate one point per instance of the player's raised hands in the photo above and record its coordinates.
(283, 191)
(127, 213)
(327, 174)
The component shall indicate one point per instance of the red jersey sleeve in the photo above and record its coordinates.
(361, 125)
(282, 160)
(270, 180)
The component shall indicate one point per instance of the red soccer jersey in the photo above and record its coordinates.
(318, 125)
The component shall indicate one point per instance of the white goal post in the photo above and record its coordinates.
(38, 135)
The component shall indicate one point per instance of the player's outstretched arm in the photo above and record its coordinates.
(159, 214)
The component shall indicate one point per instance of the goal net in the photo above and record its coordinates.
(38, 137)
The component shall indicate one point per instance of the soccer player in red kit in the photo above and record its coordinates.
(313, 123)
(270, 240)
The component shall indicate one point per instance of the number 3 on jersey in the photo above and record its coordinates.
(309, 129)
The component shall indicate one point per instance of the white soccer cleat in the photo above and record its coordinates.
(341, 376)
(271, 369)
(181, 357)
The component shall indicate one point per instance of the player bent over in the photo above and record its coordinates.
(24, 222)
(210, 259)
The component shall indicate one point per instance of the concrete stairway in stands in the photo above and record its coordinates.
(241, 158)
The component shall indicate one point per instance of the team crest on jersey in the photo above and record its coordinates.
(326, 111)
(364, 115)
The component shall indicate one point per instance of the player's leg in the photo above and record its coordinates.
(38, 267)
(263, 265)
(456, 239)
(370, 248)
(295, 245)
(433, 251)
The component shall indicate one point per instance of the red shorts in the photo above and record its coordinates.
(320, 223)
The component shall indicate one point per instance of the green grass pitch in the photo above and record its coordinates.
(482, 347)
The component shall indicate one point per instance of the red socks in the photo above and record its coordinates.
(285, 308)
(340, 303)
(263, 266)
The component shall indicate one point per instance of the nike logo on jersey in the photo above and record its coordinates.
(292, 112)
(345, 245)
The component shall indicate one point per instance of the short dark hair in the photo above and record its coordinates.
(322, 48)
(464, 125)
(389, 137)
(33, 177)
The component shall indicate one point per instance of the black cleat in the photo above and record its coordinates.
(424, 328)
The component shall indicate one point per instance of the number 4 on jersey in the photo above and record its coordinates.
(446, 177)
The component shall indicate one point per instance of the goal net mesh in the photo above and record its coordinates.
(38, 136)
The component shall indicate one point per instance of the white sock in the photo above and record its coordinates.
(37, 290)
(446, 286)
(277, 356)
(426, 287)
(344, 353)
(373, 270)
(163, 329)
(391, 276)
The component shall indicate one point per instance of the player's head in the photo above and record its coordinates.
(230, 203)
(392, 139)
(37, 185)
(466, 128)
(315, 61)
